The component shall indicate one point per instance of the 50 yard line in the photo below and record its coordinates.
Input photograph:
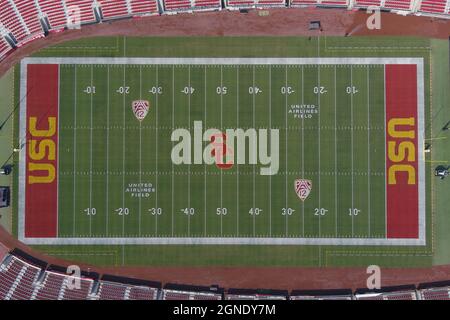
(221, 128)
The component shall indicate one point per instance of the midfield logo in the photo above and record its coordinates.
(140, 109)
(303, 188)
(225, 149)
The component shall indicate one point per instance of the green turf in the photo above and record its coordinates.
(228, 255)
(99, 158)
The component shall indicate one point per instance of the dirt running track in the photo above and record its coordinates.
(280, 22)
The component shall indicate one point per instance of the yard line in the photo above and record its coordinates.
(254, 147)
(351, 117)
(335, 154)
(221, 128)
(285, 148)
(107, 154)
(270, 126)
(189, 166)
(156, 151)
(237, 166)
(123, 155)
(173, 125)
(90, 158)
(318, 101)
(368, 146)
(140, 151)
(385, 186)
(204, 166)
(74, 150)
(303, 149)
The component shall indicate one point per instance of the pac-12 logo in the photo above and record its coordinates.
(140, 109)
(41, 152)
(303, 188)
(401, 149)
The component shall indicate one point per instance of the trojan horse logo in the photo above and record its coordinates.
(303, 188)
(140, 109)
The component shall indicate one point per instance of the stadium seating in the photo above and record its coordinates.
(398, 4)
(207, 3)
(400, 295)
(320, 297)
(30, 16)
(11, 21)
(368, 3)
(340, 3)
(139, 7)
(83, 7)
(435, 294)
(112, 291)
(255, 3)
(433, 6)
(114, 8)
(175, 5)
(185, 295)
(54, 11)
(143, 293)
(51, 287)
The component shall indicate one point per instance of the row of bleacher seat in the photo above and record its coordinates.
(20, 279)
(24, 20)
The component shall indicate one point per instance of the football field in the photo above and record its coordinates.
(222, 151)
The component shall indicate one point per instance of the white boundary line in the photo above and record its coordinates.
(224, 61)
(225, 241)
(212, 240)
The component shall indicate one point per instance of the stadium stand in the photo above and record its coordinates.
(256, 294)
(113, 9)
(143, 293)
(434, 6)
(23, 277)
(53, 12)
(83, 8)
(30, 16)
(389, 293)
(22, 21)
(11, 21)
(184, 295)
(112, 291)
(143, 7)
(341, 294)
(435, 294)
(177, 5)
(237, 4)
(367, 3)
(214, 4)
(184, 292)
(398, 4)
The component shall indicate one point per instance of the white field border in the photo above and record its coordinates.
(421, 241)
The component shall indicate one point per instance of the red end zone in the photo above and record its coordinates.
(41, 200)
(402, 187)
